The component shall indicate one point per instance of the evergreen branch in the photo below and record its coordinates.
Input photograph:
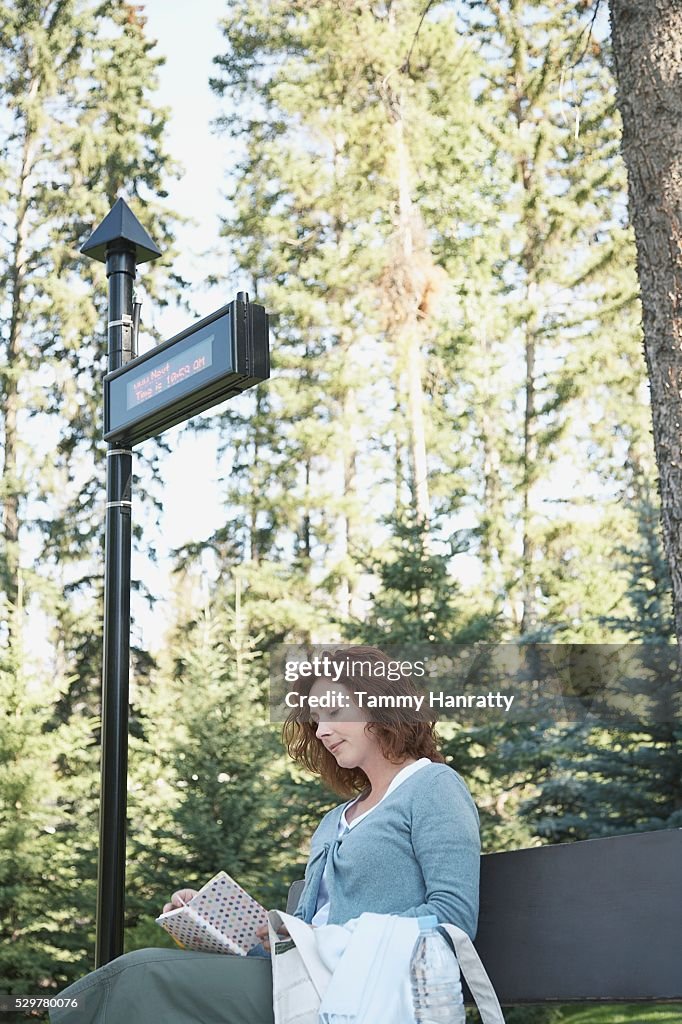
(589, 35)
(406, 66)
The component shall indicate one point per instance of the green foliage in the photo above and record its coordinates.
(416, 600)
(338, 108)
(653, 1013)
(80, 125)
(213, 789)
(532, 1015)
(649, 618)
(550, 341)
(25, 792)
(608, 782)
(46, 851)
(76, 91)
(434, 210)
(72, 869)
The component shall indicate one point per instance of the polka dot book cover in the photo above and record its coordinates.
(221, 918)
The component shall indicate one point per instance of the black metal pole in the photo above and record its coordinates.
(120, 266)
(120, 242)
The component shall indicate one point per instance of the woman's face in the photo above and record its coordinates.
(349, 741)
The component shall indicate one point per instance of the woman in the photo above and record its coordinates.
(407, 843)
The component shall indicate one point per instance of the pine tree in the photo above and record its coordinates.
(417, 600)
(78, 79)
(554, 307)
(27, 791)
(608, 782)
(649, 618)
(352, 412)
(218, 791)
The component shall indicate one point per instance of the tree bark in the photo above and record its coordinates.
(349, 450)
(526, 177)
(647, 46)
(408, 331)
(11, 399)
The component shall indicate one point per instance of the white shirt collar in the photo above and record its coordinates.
(396, 781)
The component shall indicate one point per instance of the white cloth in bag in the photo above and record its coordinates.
(359, 974)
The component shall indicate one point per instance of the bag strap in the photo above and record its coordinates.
(475, 976)
(303, 937)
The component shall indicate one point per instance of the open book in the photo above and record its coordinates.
(221, 918)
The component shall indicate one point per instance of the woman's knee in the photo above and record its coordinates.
(151, 954)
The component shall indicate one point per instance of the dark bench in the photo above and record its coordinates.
(599, 920)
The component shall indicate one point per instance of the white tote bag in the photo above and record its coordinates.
(300, 978)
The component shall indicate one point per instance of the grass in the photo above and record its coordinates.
(634, 1013)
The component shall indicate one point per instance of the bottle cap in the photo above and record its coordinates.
(425, 923)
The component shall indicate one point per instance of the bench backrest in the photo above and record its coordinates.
(589, 921)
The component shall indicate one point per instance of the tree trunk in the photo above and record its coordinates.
(254, 498)
(529, 616)
(305, 543)
(647, 46)
(492, 548)
(349, 450)
(526, 171)
(17, 276)
(409, 331)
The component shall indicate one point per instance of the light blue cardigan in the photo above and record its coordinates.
(417, 853)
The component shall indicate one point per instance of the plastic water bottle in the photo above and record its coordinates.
(434, 974)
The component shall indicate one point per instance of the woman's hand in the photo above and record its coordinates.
(178, 898)
(263, 936)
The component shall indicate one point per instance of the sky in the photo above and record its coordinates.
(188, 38)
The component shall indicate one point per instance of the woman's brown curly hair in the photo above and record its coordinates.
(401, 733)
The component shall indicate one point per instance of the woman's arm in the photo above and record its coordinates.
(319, 845)
(447, 845)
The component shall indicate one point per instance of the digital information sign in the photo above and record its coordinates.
(220, 356)
(175, 369)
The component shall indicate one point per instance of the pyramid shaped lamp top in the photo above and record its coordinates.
(120, 224)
